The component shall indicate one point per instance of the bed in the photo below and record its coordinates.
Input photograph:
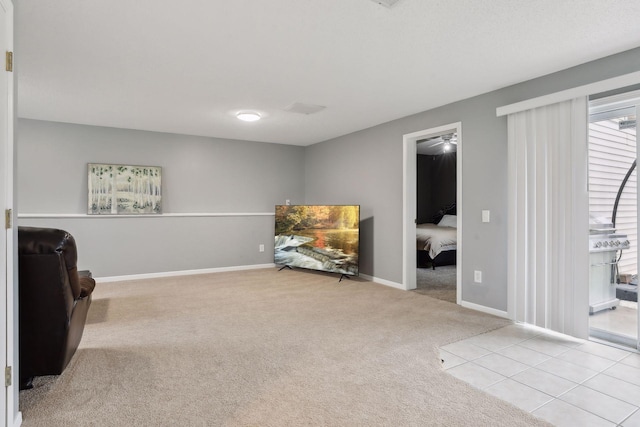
(436, 242)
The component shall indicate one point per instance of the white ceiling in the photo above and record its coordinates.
(188, 66)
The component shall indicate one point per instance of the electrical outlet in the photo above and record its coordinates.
(477, 276)
(261, 248)
(287, 202)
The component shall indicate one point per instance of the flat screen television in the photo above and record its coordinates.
(318, 237)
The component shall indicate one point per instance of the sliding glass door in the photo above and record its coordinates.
(613, 219)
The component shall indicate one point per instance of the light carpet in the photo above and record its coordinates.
(266, 348)
(439, 283)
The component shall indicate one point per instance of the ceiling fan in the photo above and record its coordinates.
(448, 141)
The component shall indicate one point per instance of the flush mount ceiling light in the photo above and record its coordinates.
(248, 116)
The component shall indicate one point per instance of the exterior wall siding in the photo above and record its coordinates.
(611, 153)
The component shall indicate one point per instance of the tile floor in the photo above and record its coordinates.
(561, 379)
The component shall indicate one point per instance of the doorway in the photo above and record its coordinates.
(436, 233)
(432, 139)
(613, 213)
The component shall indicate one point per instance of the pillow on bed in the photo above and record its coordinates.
(448, 221)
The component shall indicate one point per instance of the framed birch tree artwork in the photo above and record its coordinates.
(123, 189)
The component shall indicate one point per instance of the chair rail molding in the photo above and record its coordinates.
(164, 215)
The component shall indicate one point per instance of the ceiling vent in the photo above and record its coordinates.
(387, 3)
(300, 108)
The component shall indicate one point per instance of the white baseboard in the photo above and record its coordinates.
(181, 273)
(220, 270)
(382, 281)
(469, 305)
(17, 421)
(484, 309)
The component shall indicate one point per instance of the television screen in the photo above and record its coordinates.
(324, 238)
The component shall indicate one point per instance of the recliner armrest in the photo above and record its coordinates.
(85, 273)
(87, 285)
(41, 241)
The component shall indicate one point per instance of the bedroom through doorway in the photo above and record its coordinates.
(436, 218)
(432, 190)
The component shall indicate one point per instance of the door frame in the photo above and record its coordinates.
(409, 187)
(10, 413)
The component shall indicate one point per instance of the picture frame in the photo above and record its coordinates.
(124, 189)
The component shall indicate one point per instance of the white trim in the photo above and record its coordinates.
(11, 414)
(409, 153)
(484, 309)
(612, 344)
(382, 281)
(164, 215)
(459, 215)
(222, 270)
(576, 92)
(614, 102)
(409, 186)
(610, 337)
(181, 273)
(17, 421)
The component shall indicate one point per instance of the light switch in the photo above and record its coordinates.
(477, 276)
(486, 215)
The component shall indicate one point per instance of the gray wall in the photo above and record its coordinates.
(367, 169)
(200, 175)
(214, 175)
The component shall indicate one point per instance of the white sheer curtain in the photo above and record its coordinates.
(548, 217)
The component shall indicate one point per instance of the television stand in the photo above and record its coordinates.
(342, 276)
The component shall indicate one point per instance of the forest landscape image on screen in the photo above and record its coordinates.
(315, 237)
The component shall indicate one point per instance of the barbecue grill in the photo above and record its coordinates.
(605, 250)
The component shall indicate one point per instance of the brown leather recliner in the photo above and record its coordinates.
(53, 301)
